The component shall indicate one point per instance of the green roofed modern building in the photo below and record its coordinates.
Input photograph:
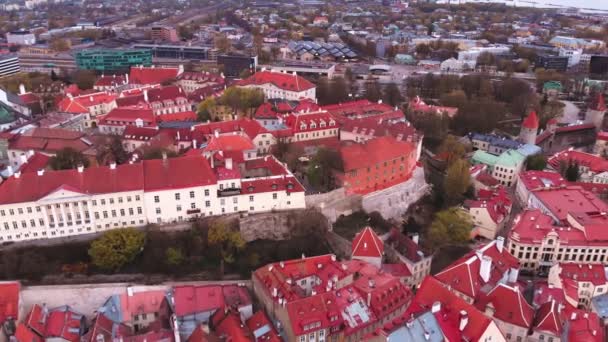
(112, 59)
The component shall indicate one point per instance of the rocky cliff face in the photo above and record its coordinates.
(282, 225)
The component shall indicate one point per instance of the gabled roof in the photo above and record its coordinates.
(288, 82)
(464, 274)
(152, 75)
(9, 300)
(548, 318)
(262, 329)
(432, 291)
(24, 334)
(509, 305)
(367, 244)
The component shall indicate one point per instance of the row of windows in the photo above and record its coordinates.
(119, 199)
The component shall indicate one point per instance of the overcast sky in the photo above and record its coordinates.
(599, 4)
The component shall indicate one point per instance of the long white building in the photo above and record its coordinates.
(63, 203)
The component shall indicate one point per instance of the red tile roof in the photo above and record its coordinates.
(34, 163)
(418, 105)
(110, 80)
(61, 322)
(152, 75)
(9, 300)
(400, 131)
(548, 319)
(230, 142)
(375, 151)
(603, 135)
(81, 104)
(464, 275)
(29, 98)
(432, 291)
(228, 326)
(367, 244)
(396, 270)
(24, 334)
(105, 327)
(189, 299)
(262, 329)
(149, 175)
(571, 199)
(123, 116)
(593, 273)
(532, 226)
(509, 305)
(364, 109)
(181, 116)
(309, 122)
(594, 163)
(283, 81)
(496, 202)
(250, 127)
(404, 245)
(531, 121)
(533, 180)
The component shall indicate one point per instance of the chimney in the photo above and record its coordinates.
(436, 307)
(216, 133)
(485, 268)
(21, 89)
(146, 95)
(513, 275)
(113, 165)
(180, 69)
(164, 156)
(416, 238)
(500, 243)
(40, 172)
(17, 174)
(127, 78)
(91, 98)
(194, 143)
(45, 313)
(464, 320)
(229, 163)
(369, 298)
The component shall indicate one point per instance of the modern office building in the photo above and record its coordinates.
(112, 59)
(9, 65)
(234, 65)
(558, 63)
(164, 33)
(176, 51)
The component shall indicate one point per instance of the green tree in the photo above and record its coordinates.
(391, 94)
(227, 240)
(116, 248)
(68, 158)
(205, 108)
(570, 170)
(84, 79)
(174, 257)
(157, 152)
(457, 181)
(486, 58)
(451, 149)
(372, 90)
(114, 151)
(536, 162)
(450, 226)
(321, 168)
(222, 43)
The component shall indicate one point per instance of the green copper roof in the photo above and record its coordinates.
(482, 157)
(510, 158)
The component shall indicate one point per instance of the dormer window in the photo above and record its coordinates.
(332, 123)
(313, 125)
(302, 126)
(274, 186)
